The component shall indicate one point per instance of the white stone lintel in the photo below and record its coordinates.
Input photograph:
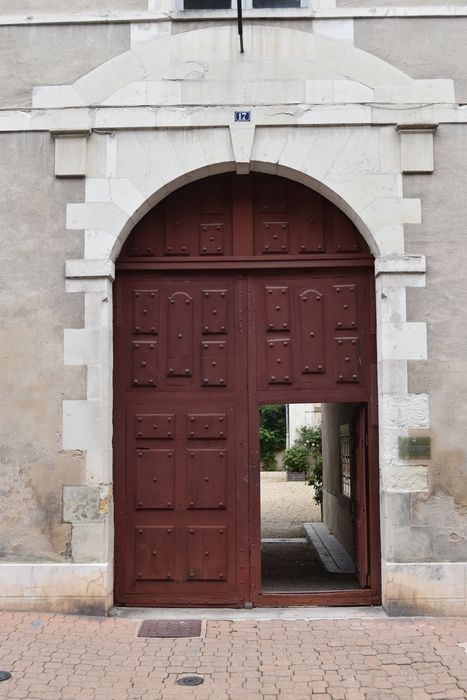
(83, 269)
(400, 264)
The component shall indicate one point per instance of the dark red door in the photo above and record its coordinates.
(234, 291)
(181, 388)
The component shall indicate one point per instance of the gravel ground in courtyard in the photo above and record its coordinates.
(286, 505)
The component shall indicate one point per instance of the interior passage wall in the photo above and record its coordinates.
(336, 507)
(34, 309)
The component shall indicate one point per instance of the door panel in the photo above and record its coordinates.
(308, 331)
(182, 455)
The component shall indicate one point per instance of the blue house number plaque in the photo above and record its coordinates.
(242, 116)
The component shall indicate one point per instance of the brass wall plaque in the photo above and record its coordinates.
(415, 448)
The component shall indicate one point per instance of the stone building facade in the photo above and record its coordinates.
(107, 108)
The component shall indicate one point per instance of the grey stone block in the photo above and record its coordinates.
(81, 504)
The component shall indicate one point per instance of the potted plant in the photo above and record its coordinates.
(296, 461)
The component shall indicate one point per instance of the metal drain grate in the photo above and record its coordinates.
(190, 681)
(170, 628)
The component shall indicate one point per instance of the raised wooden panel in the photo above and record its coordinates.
(308, 227)
(206, 478)
(278, 361)
(275, 237)
(180, 335)
(271, 194)
(345, 306)
(176, 239)
(212, 196)
(277, 308)
(346, 237)
(214, 363)
(211, 239)
(155, 426)
(347, 360)
(155, 479)
(311, 331)
(145, 311)
(206, 553)
(155, 553)
(214, 310)
(206, 426)
(144, 361)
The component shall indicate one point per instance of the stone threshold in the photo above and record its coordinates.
(235, 614)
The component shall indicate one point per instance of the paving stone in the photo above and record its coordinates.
(77, 658)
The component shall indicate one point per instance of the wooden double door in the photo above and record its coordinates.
(199, 347)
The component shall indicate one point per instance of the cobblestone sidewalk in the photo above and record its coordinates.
(59, 657)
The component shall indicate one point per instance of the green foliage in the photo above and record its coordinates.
(296, 458)
(272, 434)
(308, 448)
(311, 438)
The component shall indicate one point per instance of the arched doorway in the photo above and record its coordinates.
(233, 292)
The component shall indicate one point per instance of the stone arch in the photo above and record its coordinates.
(288, 65)
(339, 164)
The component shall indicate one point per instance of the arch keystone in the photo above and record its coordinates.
(242, 137)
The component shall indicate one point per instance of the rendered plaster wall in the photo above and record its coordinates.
(50, 55)
(34, 308)
(417, 46)
(443, 511)
(400, 3)
(336, 507)
(431, 526)
(41, 7)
